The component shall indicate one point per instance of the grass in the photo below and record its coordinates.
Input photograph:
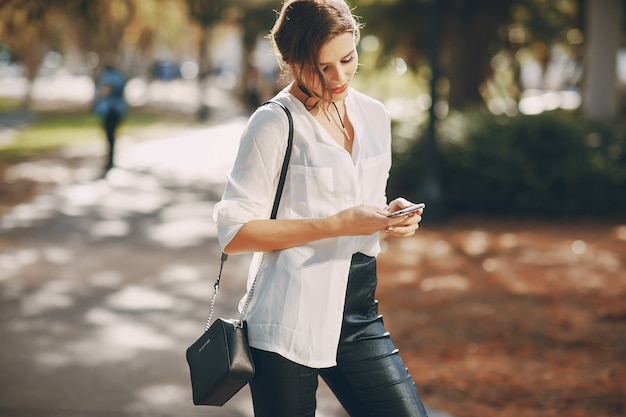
(53, 130)
(8, 104)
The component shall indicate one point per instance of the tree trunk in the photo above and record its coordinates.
(469, 29)
(603, 37)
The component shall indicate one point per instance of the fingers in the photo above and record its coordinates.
(398, 203)
(408, 219)
(405, 227)
(364, 220)
(403, 231)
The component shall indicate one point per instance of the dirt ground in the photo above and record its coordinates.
(495, 318)
(511, 319)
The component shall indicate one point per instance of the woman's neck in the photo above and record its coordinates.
(311, 103)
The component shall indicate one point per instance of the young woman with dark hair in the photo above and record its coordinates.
(313, 312)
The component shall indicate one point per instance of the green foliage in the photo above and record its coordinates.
(550, 165)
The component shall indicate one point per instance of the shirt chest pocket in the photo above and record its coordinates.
(312, 192)
(375, 173)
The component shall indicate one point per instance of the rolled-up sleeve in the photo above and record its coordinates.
(251, 183)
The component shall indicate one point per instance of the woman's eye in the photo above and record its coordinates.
(324, 69)
(348, 60)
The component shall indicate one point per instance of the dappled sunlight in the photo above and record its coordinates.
(24, 215)
(454, 282)
(108, 337)
(134, 297)
(12, 263)
(133, 336)
(464, 258)
(620, 232)
(174, 181)
(111, 279)
(134, 201)
(40, 171)
(52, 295)
(163, 395)
(182, 233)
(475, 243)
(440, 248)
(121, 321)
(490, 264)
(184, 224)
(83, 195)
(106, 279)
(178, 273)
(109, 228)
(58, 255)
(200, 155)
(514, 305)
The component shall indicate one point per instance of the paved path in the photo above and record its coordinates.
(104, 283)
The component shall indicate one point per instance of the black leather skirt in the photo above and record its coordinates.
(370, 378)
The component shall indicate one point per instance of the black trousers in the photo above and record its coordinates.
(370, 378)
(110, 123)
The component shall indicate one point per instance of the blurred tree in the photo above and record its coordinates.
(126, 28)
(99, 25)
(206, 13)
(110, 28)
(256, 20)
(474, 31)
(30, 28)
(469, 38)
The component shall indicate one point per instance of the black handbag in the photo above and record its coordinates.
(220, 362)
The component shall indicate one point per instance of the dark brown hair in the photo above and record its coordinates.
(303, 27)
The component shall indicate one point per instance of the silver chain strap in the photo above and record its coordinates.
(216, 288)
(244, 310)
(279, 191)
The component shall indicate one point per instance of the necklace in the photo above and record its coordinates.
(308, 96)
(328, 116)
(343, 126)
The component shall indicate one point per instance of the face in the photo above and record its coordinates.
(338, 61)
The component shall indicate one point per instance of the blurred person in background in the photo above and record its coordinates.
(110, 106)
(313, 312)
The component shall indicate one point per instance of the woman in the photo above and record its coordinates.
(313, 311)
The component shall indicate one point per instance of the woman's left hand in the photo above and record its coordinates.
(408, 224)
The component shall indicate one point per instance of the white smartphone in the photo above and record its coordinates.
(407, 210)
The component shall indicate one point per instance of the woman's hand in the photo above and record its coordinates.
(366, 220)
(265, 235)
(408, 224)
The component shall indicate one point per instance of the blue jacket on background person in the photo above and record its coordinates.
(110, 87)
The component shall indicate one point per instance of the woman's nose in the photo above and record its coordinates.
(338, 76)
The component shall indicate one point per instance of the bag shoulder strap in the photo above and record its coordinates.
(283, 171)
(279, 192)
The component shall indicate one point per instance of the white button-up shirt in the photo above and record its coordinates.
(297, 306)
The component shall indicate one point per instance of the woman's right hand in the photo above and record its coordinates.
(265, 235)
(363, 220)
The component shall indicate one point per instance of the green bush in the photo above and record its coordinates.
(550, 165)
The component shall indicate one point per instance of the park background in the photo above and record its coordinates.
(509, 121)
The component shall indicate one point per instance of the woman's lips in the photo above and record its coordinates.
(340, 90)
